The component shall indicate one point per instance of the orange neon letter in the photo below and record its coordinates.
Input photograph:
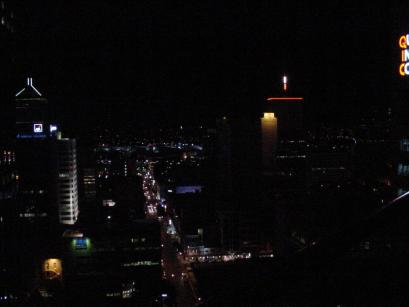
(401, 69)
(402, 42)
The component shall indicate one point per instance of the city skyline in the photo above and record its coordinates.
(138, 61)
(157, 153)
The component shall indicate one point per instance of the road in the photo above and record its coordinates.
(174, 268)
(176, 272)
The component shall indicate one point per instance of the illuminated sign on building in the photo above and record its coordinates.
(81, 243)
(404, 66)
(53, 128)
(38, 128)
(52, 269)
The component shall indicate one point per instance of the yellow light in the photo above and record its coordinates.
(401, 69)
(402, 42)
(52, 268)
(268, 139)
(268, 115)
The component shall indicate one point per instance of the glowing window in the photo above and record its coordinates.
(403, 169)
(404, 145)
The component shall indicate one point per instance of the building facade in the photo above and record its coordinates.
(67, 187)
(46, 164)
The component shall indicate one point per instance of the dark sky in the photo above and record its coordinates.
(144, 61)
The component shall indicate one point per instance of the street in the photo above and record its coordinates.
(175, 270)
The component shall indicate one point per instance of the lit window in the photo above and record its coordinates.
(403, 169)
(404, 145)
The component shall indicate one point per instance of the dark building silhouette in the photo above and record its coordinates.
(45, 162)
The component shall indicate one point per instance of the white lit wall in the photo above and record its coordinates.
(67, 183)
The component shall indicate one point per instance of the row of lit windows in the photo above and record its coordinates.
(140, 263)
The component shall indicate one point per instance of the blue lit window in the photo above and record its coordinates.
(404, 145)
(80, 243)
(403, 169)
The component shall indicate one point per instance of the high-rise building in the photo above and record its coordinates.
(46, 163)
(283, 144)
(89, 184)
(268, 140)
(238, 156)
(67, 190)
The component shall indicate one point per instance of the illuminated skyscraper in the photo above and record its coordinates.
(268, 140)
(282, 136)
(46, 163)
(32, 114)
(67, 190)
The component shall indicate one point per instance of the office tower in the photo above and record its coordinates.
(238, 156)
(268, 139)
(67, 190)
(32, 114)
(35, 158)
(289, 114)
(46, 163)
(283, 139)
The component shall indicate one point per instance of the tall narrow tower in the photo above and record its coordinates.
(268, 140)
(67, 190)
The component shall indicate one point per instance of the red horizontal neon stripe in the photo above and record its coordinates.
(284, 98)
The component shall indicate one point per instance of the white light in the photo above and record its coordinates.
(38, 128)
(285, 79)
(53, 128)
(406, 55)
(30, 83)
(20, 92)
(407, 68)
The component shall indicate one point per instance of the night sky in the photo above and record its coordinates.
(164, 62)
